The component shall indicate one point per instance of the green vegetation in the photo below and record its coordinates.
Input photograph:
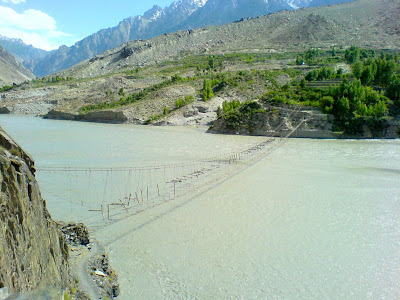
(237, 114)
(6, 88)
(52, 79)
(293, 95)
(352, 104)
(182, 102)
(354, 54)
(321, 74)
(315, 57)
(356, 105)
(121, 92)
(393, 91)
(379, 71)
(370, 98)
(132, 72)
(207, 90)
(67, 296)
(152, 119)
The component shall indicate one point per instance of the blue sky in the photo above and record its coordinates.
(47, 24)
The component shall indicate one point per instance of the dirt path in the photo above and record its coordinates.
(80, 268)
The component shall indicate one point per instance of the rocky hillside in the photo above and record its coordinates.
(180, 15)
(12, 71)
(33, 251)
(363, 23)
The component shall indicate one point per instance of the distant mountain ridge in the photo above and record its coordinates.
(26, 54)
(11, 70)
(180, 15)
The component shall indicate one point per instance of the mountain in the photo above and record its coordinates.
(25, 54)
(217, 12)
(154, 22)
(180, 15)
(364, 23)
(11, 70)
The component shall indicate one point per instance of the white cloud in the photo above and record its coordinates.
(14, 1)
(32, 26)
(30, 19)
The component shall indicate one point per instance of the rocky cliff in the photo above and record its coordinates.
(33, 252)
(307, 123)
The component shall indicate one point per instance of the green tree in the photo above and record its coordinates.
(393, 90)
(343, 107)
(357, 69)
(299, 60)
(333, 51)
(327, 103)
(368, 75)
(121, 92)
(352, 54)
(207, 90)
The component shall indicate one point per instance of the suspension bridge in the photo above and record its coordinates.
(112, 194)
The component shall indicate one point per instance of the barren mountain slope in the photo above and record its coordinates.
(365, 23)
(12, 71)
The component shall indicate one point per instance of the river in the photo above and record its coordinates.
(315, 219)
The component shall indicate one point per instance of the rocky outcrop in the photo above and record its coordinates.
(4, 110)
(279, 122)
(33, 251)
(101, 116)
(104, 116)
(104, 276)
(60, 115)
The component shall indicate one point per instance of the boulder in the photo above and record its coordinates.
(4, 110)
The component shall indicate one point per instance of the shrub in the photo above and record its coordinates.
(207, 90)
(152, 119)
(182, 102)
(326, 101)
